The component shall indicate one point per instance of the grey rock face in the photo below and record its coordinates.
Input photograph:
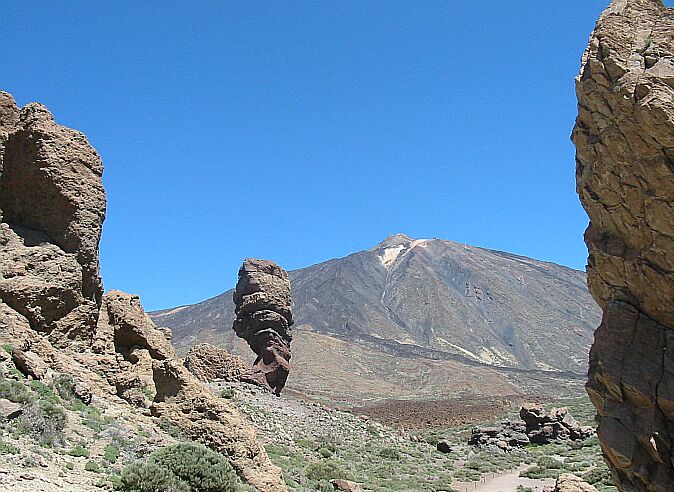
(624, 137)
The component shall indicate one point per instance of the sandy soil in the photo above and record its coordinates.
(504, 482)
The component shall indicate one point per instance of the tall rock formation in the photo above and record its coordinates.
(624, 138)
(52, 205)
(52, 308)
(263, 319)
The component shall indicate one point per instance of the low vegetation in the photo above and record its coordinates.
(183, 467)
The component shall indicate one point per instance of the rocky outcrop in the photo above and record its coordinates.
(53, 313)
(208, 363)
(263, 319)
(624, 137)
(191, 407)
(537, 427)
(53, 205)
(558, 424)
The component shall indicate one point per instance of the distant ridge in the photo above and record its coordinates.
(424, 299)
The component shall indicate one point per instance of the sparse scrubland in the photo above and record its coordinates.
(314, 444)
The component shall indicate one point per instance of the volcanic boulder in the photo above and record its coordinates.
(624, 137)
(208, 362)
(263, 319)
(556, 425)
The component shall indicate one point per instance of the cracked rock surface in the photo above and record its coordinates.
(624, 137)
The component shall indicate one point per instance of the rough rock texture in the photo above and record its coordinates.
(53, 207)
(263, 319)
(505, 437)
(208, 362)
(536, 426)
(53, 313)
(624, 138)
(556, 425)
(568, 482)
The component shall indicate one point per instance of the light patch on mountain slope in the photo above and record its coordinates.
(460, 349)
(496, 356)
(389, 255)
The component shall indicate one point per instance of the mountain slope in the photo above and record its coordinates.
(428, 296)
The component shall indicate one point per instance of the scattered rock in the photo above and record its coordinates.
(263, 319)
(346, 485)
(208, 362)
(624, 137)
(444, 447)
(537, 427)
(29, 363)
(9, 410)
(505, 437)
(568, 482)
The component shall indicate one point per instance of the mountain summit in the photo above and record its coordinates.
(422, 299)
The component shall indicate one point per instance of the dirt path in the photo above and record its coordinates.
(503, 482)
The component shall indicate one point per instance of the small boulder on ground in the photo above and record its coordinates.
(346, 485)
(9, 410)
(444, 447)
(568, 482)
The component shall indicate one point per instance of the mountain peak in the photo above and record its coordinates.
(394, 240)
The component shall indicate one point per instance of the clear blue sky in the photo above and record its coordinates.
(305, 130)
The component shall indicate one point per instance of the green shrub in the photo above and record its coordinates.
(44, 392)
(70, 466)
(7, 348)
(92, 466)
(148, 477)
(325, 452)
(6, 448)
(111, 453)
(195, 464)
(227, 393)
(64, 385)
(598, 476)
(79, 451)
(182, 467)
(325, 470)
(45, 421)
(389, 454)
(15, 391)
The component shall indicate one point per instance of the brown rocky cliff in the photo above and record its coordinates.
(52, 308)
(624, 137)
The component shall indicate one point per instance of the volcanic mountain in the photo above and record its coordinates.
(420, 316)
